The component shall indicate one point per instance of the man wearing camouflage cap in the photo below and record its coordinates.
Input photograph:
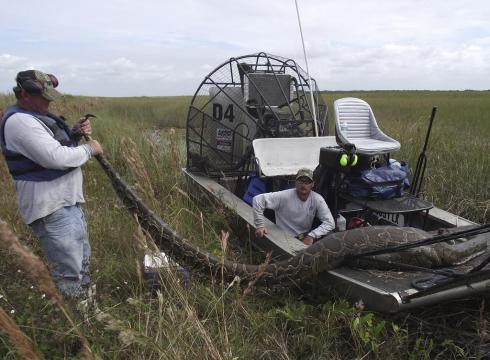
(44, 158)
(295, 210)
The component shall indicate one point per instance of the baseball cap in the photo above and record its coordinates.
(37, 82)
(304, 172)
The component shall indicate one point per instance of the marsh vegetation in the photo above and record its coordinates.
(212, 319)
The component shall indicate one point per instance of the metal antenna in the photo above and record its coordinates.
(307, 70)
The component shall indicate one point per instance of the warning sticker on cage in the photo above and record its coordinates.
(224, 139)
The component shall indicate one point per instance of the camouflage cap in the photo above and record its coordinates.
(37, 82)
(304, 173)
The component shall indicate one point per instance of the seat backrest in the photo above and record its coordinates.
(267, 89)
(357, 115)
(355, 123)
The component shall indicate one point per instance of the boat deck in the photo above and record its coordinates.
(380, 290)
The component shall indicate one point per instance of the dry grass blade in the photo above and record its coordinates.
(260, 273)
(143, 242)
(40, 275)
(147, 244)
(212, 351)
(225, 235)
(34, 267)
(174, 155)
(125, 335)
(138, 167)
(20, 341)
(482, 324)
(154, 153)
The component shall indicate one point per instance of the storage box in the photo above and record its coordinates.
(330, 157)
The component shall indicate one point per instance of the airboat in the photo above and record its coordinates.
(255, 120)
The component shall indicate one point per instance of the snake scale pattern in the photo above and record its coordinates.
(327, 253)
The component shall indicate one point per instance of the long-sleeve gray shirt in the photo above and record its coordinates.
(28, 136)
(293, 215)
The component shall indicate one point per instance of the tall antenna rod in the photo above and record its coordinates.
(307, 70)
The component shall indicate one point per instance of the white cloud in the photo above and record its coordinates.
(119, 47)
(10, 62)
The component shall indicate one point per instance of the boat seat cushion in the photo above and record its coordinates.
(355, 123)
(285, 156)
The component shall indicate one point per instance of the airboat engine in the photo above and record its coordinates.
(246, 98)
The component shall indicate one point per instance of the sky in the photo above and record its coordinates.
(161, 48)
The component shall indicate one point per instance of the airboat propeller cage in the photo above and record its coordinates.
(245, 98)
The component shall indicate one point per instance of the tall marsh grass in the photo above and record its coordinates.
(213, 320)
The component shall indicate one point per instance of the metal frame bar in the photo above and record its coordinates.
(265, 63)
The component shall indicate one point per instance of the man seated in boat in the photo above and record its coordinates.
(295, 210)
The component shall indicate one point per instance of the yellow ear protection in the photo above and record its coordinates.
(348, 160)
(349, 156)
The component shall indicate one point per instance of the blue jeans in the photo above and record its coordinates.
(64, 240)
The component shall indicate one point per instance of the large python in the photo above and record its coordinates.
(328, 253)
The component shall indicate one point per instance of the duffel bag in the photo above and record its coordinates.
(381, 183)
